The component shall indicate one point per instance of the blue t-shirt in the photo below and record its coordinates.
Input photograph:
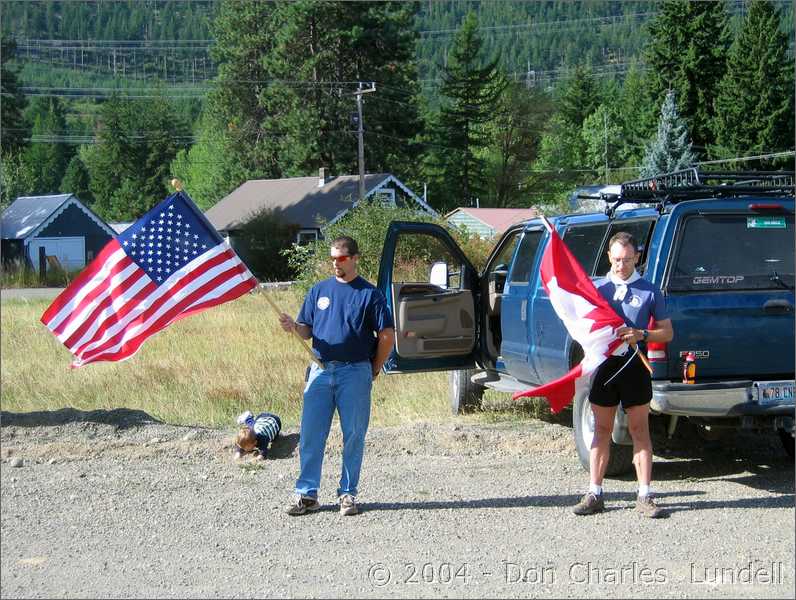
(344, 318)
(641, 300)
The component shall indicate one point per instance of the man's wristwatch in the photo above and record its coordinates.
(644, 335)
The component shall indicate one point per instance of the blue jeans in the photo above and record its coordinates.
(346, 387)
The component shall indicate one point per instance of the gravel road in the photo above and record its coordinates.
(114, 504)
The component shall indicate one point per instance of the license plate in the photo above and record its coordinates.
(774, 392)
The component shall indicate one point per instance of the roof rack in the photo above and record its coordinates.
(690, 184)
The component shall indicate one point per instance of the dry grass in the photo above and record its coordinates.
(203, 370)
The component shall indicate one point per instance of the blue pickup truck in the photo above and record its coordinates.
(719, 245)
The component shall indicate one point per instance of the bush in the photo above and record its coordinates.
(259, 243)
(368, 224)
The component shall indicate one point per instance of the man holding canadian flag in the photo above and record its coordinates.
(609, 319)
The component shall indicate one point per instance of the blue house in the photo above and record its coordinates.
(61, 224)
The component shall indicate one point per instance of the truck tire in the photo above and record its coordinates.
(787, 440)
(465, 395)
(621, 460)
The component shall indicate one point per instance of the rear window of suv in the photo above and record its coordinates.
(734, 252)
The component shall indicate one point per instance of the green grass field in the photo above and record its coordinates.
(204, 370)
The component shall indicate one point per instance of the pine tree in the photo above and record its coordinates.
(687, 53)
(469, 95)
(130, 166)
(301, 61)
(563, 160)
(579, 97)
(514, 139)
(46, 156)
(671, 149)
(637, 116)
(755, 104)
(76, 180)
(14, 128)
(206, 169)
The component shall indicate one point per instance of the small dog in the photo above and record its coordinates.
(256, 435)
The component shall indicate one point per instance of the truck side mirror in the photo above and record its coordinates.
(439, 275)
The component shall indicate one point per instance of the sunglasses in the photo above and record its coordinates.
(341, 258)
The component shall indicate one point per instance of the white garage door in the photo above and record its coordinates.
(71, 251)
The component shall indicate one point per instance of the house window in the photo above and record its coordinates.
(385, 196)
(305, 236)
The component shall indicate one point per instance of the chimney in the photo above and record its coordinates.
(321, 176)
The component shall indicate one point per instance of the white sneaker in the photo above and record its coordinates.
(348, 505)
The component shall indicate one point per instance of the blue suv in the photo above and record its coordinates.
(719, 245)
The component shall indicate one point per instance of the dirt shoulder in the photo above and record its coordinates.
(115, 504)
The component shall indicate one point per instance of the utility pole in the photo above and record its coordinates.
(360, 132)
(605, 128)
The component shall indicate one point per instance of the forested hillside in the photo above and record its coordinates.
(142, 40)
(504, 103)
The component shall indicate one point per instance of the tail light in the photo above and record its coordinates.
(656, 352)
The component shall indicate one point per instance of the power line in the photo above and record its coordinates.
(610, 19)
(782, 154)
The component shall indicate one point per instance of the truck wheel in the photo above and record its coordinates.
(787, 441)
(621, 460)
(465, 395)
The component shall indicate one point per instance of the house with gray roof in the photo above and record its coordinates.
(310, 203)
(59, 224)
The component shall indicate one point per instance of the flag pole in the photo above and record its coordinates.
(643, 358)
(279, 312)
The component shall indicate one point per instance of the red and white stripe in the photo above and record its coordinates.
(588, 317)
(113, 306)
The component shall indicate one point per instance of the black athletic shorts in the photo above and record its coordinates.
(632, 387)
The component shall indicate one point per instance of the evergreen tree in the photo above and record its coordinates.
(563, 162)
(243, 34)
(46, 156)
(130, 165)
(579, 98)
(687, 53)
(14, 129)
(755, 104)
(206, 169)
(77, 181)
(514, 137)
(636, 114)
(671, 149)
(469, 94)
(300, 61)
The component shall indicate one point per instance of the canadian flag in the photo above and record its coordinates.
(588, 317)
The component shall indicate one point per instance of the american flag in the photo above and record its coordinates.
(169, 264)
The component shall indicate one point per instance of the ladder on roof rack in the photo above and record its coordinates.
(692, 183)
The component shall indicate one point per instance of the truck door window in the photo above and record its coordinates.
(521, 271)
(638, 229)
(585, 242)
(503, 259)
(414, 255)
(734, 252)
